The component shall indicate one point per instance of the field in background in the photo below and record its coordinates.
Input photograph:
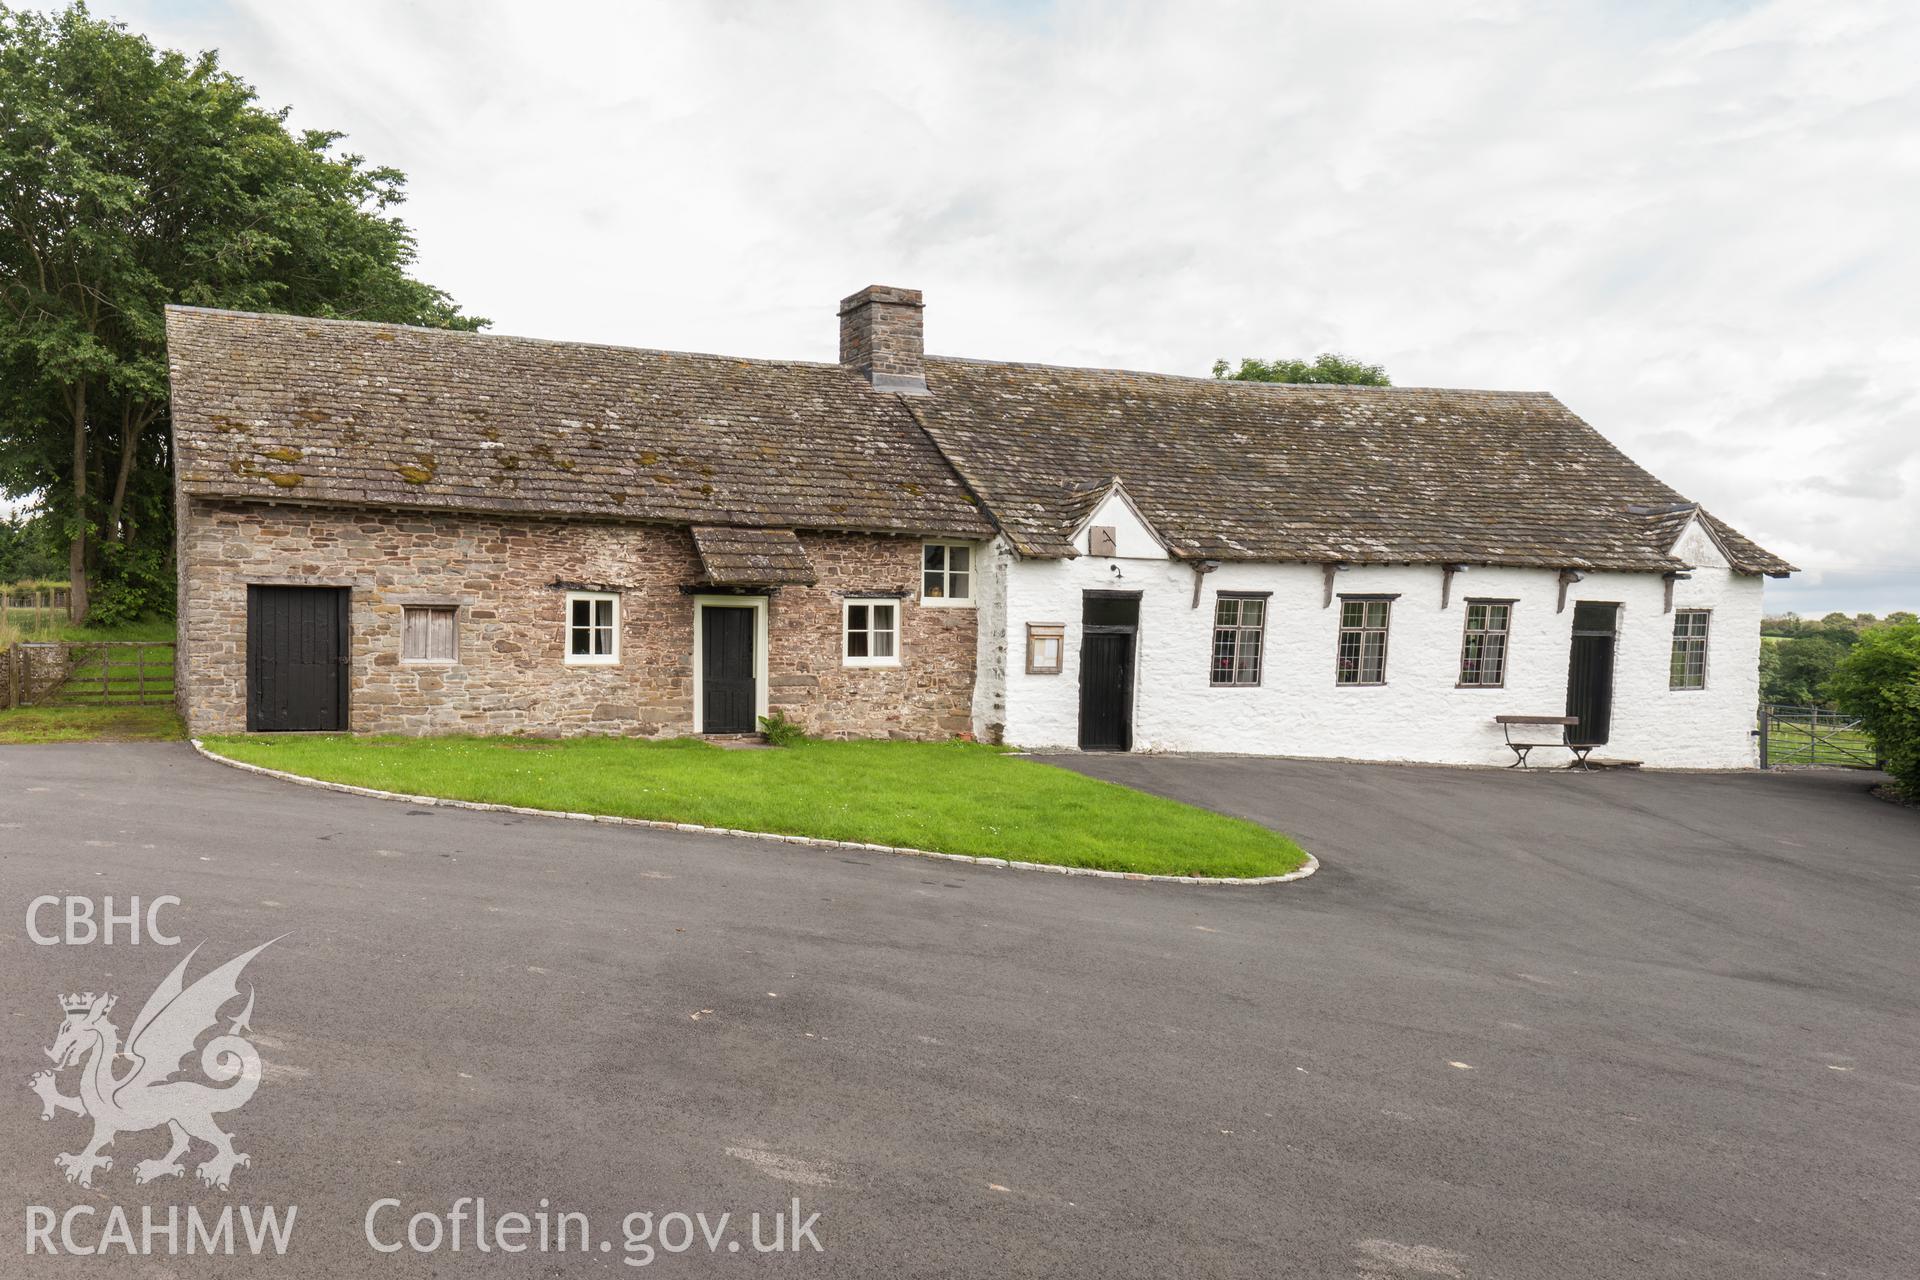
(38, 625)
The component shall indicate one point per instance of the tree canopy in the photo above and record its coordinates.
(131, 178)
(1879, 681)
(1328, 366)
(1795, 672)
(1801, 655)
(29, 548)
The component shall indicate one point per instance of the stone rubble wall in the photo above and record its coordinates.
(510, 676)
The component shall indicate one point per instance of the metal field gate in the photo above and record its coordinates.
(1814, 735)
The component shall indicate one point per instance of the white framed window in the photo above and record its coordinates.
(871, 634)
(946, 573)
(426, 634)
(593, 628)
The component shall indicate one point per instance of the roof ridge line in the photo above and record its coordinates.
(1209, 380)
(1285, 388)
(578, 344)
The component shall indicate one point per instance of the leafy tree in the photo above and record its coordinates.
(131, 178)
(1328, 366)
(1879, 681)
(1783, 624)
(1795, 672)
(1901, 618)
(29, 548)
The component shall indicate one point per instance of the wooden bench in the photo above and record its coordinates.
(1522, 749)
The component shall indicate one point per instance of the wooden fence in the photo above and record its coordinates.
(33, 611)
(87, 673)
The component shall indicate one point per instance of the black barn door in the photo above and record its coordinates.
(728, 700)
(1109, 623)
(296, 659)
(1590, 672)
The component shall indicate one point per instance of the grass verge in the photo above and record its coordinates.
(89, 724)
(950, 797)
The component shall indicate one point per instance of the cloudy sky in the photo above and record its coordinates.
(1694, 222)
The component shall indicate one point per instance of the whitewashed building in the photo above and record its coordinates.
(1370, 573)
(1268, 663)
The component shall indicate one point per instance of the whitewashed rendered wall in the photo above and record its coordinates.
(1419, 714)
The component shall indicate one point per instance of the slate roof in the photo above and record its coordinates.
(752, 557)
(292, 409)
(1257, 471)
(1744, 554)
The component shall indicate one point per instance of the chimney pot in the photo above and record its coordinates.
(882, 338)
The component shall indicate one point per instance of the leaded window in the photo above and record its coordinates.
(1689, 669)
(1363, 641)
(1239, 624)
(1483, 653)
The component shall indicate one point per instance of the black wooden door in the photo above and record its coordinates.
(1106, 691)
(1590, 673)
(296, 659)
(728, 700)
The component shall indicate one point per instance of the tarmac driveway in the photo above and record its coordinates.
(1525, 1027)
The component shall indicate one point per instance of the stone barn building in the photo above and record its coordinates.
(389, 529)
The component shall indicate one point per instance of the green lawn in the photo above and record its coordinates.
(89, 724)
(951, 797)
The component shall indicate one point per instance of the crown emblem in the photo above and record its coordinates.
(81, 1003)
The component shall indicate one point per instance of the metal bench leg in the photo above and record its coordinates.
(1580, 759)
(1519, 756)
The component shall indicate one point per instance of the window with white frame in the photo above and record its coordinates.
(1363, 640)
(1689, 669)
(593, 628)
(426, 633)
(872, 633)
(1483, 651)
(946, 573)
(1239, 625)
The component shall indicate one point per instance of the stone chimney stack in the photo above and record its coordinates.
(882, 338)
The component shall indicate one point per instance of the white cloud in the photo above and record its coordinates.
(1693, 223)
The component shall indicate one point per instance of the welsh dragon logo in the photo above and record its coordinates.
(146, 1095)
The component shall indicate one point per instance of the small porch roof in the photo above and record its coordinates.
(732, 557)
